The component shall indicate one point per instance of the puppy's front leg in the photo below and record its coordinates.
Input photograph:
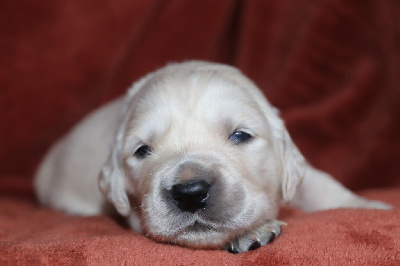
(320, 191)
(261, 236)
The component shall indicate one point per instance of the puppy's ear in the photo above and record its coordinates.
(293, 162)
(112, 182)
(112, 178)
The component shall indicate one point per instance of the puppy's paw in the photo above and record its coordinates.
(261, 236)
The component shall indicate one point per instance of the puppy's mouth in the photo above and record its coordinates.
(200, 235)
(202, 211)
(198, 227)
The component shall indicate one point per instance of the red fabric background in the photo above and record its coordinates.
(331, 66)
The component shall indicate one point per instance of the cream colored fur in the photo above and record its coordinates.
(186, 113)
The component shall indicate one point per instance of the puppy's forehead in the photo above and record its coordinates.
(204, 96)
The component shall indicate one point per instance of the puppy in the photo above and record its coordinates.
(193, 155)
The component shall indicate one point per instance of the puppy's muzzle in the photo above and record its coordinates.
(191, 196)
(193, 186)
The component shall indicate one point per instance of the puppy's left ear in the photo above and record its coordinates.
(293, 162)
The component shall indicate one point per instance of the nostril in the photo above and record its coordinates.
(191, 196)
(195, 190)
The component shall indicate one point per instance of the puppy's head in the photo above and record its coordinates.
(200, 156)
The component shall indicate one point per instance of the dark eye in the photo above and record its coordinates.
(143, 152)
(239, 137)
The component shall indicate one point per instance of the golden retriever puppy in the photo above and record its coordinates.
(193, 155)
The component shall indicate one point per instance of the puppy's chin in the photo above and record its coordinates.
(197, 235)
(237, 199)
(210, 228)
(189, 230)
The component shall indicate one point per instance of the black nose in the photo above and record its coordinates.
(192, 196)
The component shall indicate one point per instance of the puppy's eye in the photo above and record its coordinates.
(240, 137)
(143, 151)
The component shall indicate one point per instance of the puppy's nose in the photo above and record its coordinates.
(191, 196)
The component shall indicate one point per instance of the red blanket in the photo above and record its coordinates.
(331, 66)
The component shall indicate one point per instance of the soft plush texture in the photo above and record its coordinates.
(332, 67)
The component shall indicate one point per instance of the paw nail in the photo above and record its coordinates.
(271, 238)
(255, 245)
(232, 250)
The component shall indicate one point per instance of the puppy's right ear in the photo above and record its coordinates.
(112, 178)
(112, 183)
